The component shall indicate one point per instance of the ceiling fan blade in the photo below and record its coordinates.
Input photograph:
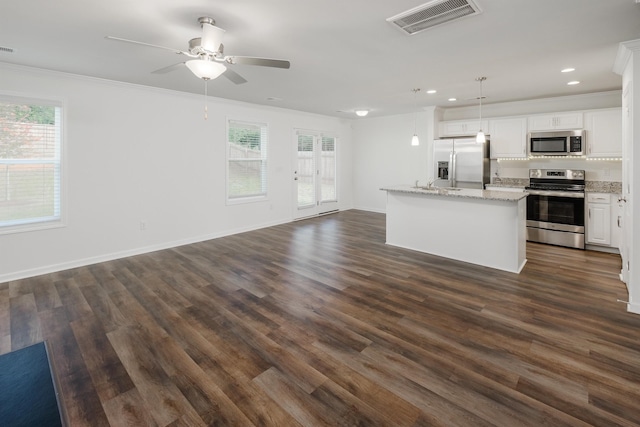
(145, 44)
(234, 77)
(261, 62)
(168, 69)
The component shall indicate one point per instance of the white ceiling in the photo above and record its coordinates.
(344, 54)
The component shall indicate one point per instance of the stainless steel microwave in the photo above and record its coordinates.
(557, 143)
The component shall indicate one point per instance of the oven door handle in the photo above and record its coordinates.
(570, 194)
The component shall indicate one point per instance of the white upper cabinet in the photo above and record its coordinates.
(604, 133)
(556, 121)
(508, 137)
(462, 127)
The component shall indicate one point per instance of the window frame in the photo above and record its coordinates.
(59, 219)
(264, 126)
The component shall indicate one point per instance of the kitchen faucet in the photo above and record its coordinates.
(428, 187)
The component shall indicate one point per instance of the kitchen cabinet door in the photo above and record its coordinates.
(599, 218)
(508, 137)
(556, 121)
(462, 127)
(604, 133)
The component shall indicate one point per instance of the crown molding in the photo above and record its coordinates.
(625, 49)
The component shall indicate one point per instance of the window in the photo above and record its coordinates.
(246, 160)
(30, 166)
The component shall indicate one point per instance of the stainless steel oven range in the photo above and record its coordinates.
(555, 207)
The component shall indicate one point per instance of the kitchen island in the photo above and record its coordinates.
(485, 227)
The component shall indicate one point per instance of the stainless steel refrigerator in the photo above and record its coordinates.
(461, 162)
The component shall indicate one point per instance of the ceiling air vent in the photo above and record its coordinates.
(6, 49)
(432, 14)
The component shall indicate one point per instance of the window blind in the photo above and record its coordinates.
(246, 160)
(30, 161)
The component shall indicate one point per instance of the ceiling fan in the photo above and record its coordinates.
(207, 59)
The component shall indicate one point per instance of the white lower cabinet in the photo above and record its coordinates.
(599, 219)
(602, 226)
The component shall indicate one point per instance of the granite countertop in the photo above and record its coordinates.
(510, 182)
(497, 186)
(507, 196)
(603, 187)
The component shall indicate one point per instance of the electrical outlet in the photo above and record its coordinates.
(143, 225)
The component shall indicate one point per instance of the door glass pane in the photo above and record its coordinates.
(306, 172)
(328, 170)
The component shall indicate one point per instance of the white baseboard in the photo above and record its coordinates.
(18, 275)
(633, 308)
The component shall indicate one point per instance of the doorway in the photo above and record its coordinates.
(315, 182)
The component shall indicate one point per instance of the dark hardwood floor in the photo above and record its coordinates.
(319, 323)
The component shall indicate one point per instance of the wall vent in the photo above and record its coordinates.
(432, 14)
(6, 49)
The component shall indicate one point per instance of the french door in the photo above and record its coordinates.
(314, 176)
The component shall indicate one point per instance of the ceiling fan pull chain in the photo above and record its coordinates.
(206, 110)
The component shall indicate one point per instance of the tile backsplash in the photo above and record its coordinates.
(600, 170)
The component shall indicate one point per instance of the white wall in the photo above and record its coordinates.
(135, 153)
(383, 156)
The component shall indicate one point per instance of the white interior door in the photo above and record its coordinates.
(314, 180)
(626, 246)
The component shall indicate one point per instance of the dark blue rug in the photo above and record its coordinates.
(27, 394)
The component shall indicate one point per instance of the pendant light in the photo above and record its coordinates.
(480, 138)
(414, 140)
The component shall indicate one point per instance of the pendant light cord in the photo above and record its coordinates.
(415, 107)
(481, 79)
(480, 137)
(480, 103)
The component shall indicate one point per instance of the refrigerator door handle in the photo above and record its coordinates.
(452, 177)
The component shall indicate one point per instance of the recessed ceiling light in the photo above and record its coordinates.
(574, 82)
(452, 99)
(273, 98)
(362, 113)
(567, 70)
(431, 91)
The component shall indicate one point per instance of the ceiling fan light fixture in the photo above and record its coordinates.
(205, 69)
